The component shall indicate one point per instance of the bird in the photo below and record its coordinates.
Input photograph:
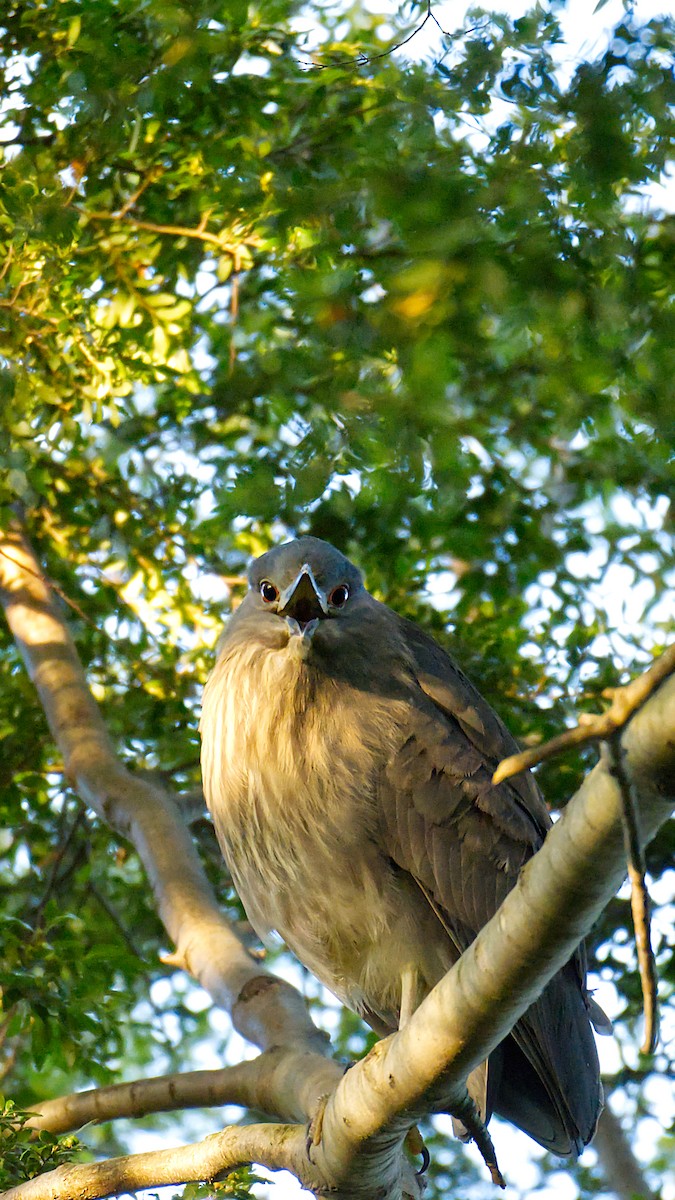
(347, 765)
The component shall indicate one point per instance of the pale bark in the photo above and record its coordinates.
(558, 896)
(284, 1082)
(265, 1010)
(275, 1146)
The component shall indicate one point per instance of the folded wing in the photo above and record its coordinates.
(464, 841)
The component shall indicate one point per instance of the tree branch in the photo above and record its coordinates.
(282, 1082)
(559, 894)
(277, 1147)
(220, 240)
(640, 902)
(606, 727)
(594, 727)
(265, 1010)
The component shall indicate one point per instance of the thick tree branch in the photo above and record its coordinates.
(264, 1083)
(265, 1010)
(275, 1146)
(606, 728)
(558, 896)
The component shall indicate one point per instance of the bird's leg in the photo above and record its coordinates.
(414, 1144)
(410, 987)
(466, 1112)
(315, 1127)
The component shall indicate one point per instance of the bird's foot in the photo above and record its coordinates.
(315, 1127)
(414, 1144)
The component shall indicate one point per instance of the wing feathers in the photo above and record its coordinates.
(464, 840)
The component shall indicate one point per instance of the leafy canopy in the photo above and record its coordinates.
(423, 310)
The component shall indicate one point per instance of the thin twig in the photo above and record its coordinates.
(363, 60)
(12, 1056)
(114, 917)
(607, 728)
(595, 728)
(54, 587)
(79, 818)
(5, 1023)
(639, 895)
(213, 239)
(8, 261)
(234, 313)
(153, 174)
(234, 580)
(24, 311)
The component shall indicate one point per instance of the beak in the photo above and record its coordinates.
(303, 600)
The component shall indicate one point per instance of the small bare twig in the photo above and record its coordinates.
(116, 920)
(58, 859)
(28, 311)
(607, 728)
(54, 587)
(639, 896)
(362, 60)
(213, 239)
(8, 261)
(594, 728)
(234, 312)
(153, 174)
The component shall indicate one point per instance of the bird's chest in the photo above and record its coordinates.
(290, 774)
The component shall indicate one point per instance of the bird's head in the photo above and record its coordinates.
(303, 584)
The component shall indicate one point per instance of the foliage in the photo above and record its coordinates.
(237, 1186)
(423, 310)
(23, 1154)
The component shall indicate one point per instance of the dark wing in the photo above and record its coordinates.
(464, 840)
(446, 684)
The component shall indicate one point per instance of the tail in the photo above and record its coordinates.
(548, 1071)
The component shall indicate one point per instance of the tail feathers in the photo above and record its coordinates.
(550, 1085)
(526, 1101)
(544, 1077)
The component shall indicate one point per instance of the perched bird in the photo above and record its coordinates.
(347, 764)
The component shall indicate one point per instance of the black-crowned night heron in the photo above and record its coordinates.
(347, 763)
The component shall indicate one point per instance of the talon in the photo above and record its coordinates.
(414, 1144)
(315, 1127)
(496, 1175)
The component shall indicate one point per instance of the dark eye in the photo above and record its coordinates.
(268, 591)
(339, 596)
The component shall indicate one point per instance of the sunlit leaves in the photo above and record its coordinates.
(242, 297)
(22, 1154)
